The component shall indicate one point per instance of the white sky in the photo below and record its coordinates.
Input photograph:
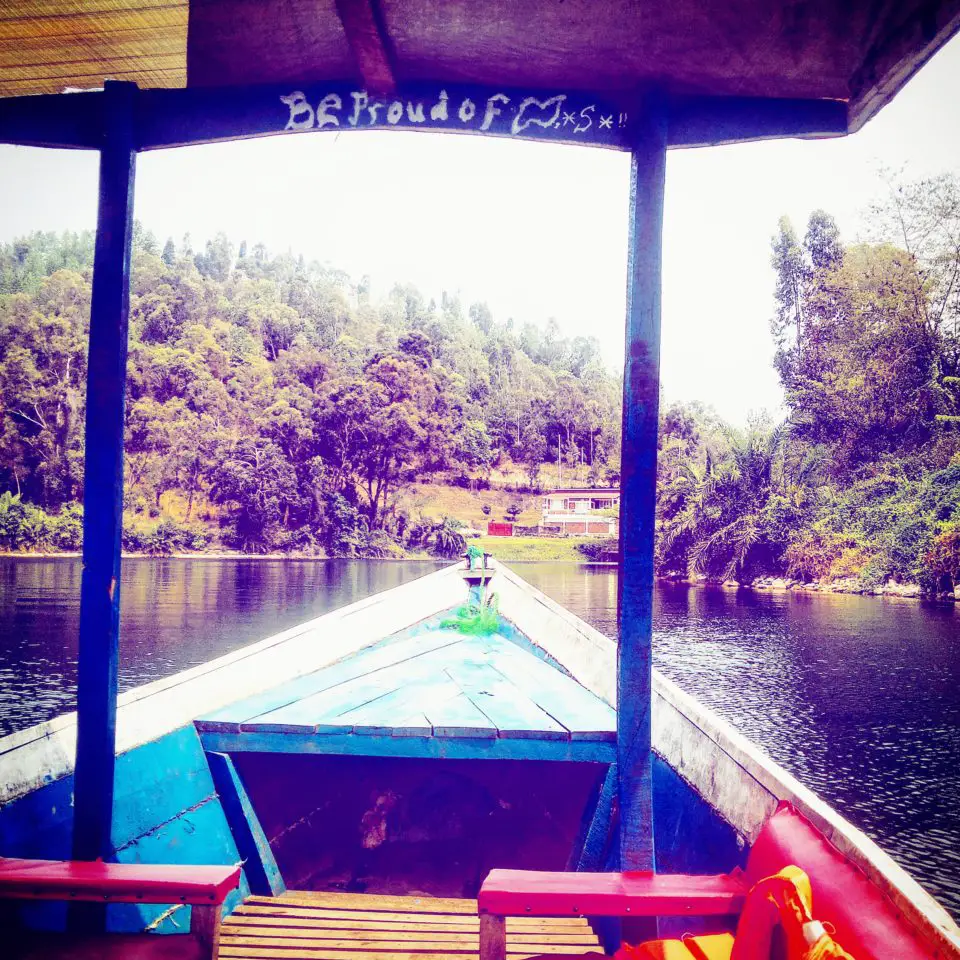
(536, 230)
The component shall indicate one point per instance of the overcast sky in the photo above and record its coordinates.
(535, 230)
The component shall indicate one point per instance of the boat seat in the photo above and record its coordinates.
(204, 888)
(868, 924)
(537, 893)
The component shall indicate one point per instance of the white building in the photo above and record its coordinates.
(582, 510)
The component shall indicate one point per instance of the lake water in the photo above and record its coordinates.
(859, 697)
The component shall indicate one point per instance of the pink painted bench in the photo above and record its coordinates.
(868, 923)
(512, 893)
(204, 888)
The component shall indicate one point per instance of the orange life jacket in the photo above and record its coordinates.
(777, 922)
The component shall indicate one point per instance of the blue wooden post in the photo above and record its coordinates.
(103, 483)
(641, 396)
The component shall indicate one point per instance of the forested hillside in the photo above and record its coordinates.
(274, 404)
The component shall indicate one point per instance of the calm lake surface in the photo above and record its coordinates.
(859, 697)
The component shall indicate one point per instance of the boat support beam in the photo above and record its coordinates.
(641, 399)
(594, 845)
(103, 486)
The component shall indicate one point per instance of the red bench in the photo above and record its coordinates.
(868, 924)
(511, 893)
(204, 888)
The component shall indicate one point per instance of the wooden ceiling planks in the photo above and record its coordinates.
(243, 42)
(49, 45)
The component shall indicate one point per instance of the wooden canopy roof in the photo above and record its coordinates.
(859, 51)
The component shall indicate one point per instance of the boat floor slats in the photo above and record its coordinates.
(344, 926)
(462, 945)
(367, 902)
(266, 916)
(436, 684)
(305, 953)
(468, 937)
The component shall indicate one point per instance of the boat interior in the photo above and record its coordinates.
(384, 779)
(387, 782)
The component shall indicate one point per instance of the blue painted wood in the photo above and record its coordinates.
(157, 782)
(576, 848)
(154, 784)
(458, 746)
(373, 691)
(508, 630)
(387, 715)
(166, 811)
(691, 838)
(511, 711)
(376, 657)
(641, 395)
(706, 121)
(459, 717)
(599, 836)
(259, 863)
(103, 486)
(321, 712)
(585, 715)
(179, 117)
(418, 677)
(197, 836)
(53, 120)
(413, 725)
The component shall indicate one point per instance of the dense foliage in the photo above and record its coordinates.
(272, 401)
(274, 405)
(862, 480)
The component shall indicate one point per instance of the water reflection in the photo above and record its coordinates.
(858, 697)
(175, 614)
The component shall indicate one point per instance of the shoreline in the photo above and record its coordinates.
(765, 584)
(847, 586)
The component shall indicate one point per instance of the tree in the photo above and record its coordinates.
(42, 374)
(277, 397)
(473, 446)
(217, 259)
(261, 486)
(787, 324)
(384, 426)
(822, 242)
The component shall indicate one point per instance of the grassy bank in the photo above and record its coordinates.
(533, 548)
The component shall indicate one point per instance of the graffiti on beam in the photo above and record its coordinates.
(562, 116)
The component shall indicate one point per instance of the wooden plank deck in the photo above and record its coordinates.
(348, 926)
(437, 685)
